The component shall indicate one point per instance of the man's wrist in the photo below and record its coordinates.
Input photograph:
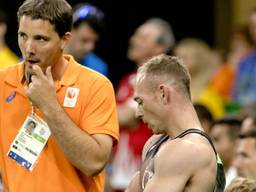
(51, 110)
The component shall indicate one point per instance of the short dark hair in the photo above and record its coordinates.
(57, 12)
(32, 122)
(89, 14)
(203, 112)
(233, 122)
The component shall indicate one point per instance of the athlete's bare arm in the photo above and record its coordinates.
(134, 185)
(181, 164)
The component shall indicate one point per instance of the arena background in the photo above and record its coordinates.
(210, 20)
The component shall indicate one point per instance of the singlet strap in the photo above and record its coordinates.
(154, 148)
(200, 132)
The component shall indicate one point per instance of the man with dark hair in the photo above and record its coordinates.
(224, 134)
(88, 26)
(246, 149)
(244, 91)
(180, 153)
(73, 107)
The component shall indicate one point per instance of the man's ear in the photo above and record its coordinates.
(165, 94)
(65, 39)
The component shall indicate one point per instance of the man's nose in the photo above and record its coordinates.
(30, 47)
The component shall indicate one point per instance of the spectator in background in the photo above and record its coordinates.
(7, 57)
(244, 92)
(246, 149)
(88, 25)
(205, 117)
(224, 134)
(241, 184)
(197, 56)
(241, 45)
(153, 37)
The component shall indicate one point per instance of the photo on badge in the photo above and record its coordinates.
(30, 127)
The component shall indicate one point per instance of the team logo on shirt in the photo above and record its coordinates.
(71, 93)
(71, 97)
(11, 97)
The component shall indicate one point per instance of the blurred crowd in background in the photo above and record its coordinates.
(223, 88)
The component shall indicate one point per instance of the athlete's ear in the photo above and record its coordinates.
(65, 39)
(165, 93)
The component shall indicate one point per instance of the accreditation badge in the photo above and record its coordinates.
(29, 142)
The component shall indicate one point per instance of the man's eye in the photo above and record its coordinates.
(23, 36)
(40, 38)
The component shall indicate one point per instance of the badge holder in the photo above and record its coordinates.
(30, 141)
